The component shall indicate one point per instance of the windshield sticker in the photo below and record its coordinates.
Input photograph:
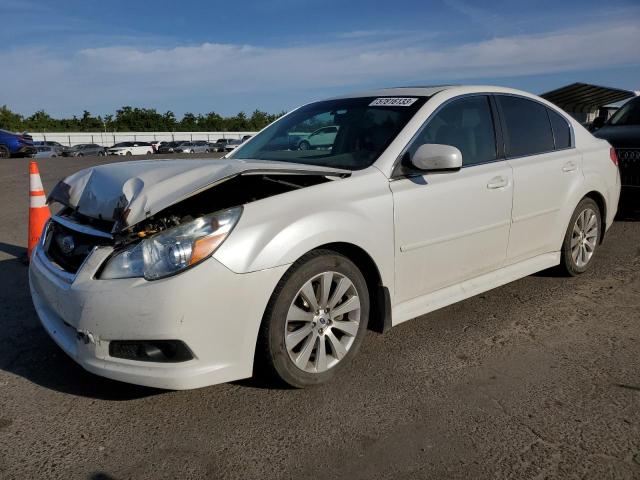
(393, 102)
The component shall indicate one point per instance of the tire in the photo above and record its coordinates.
(300, 362)
(304, 145)
(207, 151)
(128, 154)
(582, 238)
(101, 154)
(149, 152)
(4, 152)
(80, 155)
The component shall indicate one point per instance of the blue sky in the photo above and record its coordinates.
(68, 56)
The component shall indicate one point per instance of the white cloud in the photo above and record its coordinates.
(116, 75)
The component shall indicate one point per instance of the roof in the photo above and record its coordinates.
(425, 91)
(583, 96)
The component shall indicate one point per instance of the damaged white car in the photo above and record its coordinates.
(185, 273)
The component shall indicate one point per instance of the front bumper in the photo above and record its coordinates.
(215, 312)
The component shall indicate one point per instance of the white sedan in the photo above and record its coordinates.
(131, 148)
(277, 261)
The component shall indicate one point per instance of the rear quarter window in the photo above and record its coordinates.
(561, 130)
(527, 130)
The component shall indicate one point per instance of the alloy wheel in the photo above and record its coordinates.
(584, 237)
(322, 322)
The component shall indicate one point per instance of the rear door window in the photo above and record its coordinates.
(527, 130)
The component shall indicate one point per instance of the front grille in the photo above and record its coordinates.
(629, 163)
(69, 248)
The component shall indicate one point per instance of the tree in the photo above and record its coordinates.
(128, 119)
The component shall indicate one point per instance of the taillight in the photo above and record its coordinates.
(614, 156)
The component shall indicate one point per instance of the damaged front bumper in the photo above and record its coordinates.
(216, 313)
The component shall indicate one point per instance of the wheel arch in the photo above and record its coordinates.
(379, 296)
(602, 205)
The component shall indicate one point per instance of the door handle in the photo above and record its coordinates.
(497, 182)
(570, 166)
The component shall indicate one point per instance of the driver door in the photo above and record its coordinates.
(453, 226)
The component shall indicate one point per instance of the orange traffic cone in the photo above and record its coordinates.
(39, 211)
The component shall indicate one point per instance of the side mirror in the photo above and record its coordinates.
(433, 157)
(598, 122)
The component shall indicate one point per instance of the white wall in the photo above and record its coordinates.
(109, 138)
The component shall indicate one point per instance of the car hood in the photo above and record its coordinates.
(128, 192)
(622, 136)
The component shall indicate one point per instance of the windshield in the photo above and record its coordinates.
(628, 114)
(348, 133)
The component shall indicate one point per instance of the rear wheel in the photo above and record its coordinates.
(582, 238)
(4, 152)
(129, 153)
(315, 321)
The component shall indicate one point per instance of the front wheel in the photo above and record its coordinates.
(304, 145)
(4, 152)
(315, 321)
(581, 239)
(129, 153)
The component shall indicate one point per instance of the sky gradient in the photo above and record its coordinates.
(274, 55)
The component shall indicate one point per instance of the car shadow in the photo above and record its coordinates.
(27, 351)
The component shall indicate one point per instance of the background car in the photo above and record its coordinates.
(57, 146)
(168, 147)
(246, 137)
(45, 151)
(199, 146)
(131, 148)
(232, 144)
(16, 144)
(622, 131)
(219, 145)
(84, 150)
(321, 138)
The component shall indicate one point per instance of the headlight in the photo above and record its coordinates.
(173, 250)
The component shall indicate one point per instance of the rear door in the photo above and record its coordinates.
(453, 226)
(538, 144)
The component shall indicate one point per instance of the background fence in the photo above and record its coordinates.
(107, 139)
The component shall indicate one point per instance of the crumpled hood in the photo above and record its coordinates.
(128, 192)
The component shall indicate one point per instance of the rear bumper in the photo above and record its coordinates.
(205, 307)
(26, 150)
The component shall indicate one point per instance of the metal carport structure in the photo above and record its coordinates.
(582, 100)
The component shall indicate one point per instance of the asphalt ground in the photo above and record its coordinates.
(536, 379)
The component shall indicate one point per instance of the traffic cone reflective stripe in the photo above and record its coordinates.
(39, 212)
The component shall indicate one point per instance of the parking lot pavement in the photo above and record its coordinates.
(537, 379)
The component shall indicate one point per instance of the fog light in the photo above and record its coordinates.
(167, 351)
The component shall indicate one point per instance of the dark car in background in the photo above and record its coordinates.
(15, 144)
(622, 131)
(57, 146)
(168, 147)
(84, 150)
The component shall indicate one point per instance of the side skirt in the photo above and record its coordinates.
(446, 296)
